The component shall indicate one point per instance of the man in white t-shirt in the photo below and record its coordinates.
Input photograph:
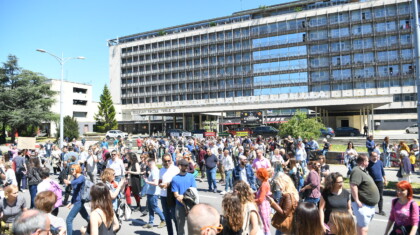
(91, 165)
(166, 173)
(117, 165)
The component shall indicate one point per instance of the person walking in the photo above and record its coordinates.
(364, 193)
(180, 184)
(404, 211)
(228, 166)
(34, 178)
(377, 172)
(153, 192)
(311, 188)
(211, 161)
(91, 165)
(261, 200)
(386, 152)
(134, 186)
(370, 144)
(166, 174)
(76, 205)
(243, 171)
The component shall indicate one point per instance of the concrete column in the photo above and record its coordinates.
(316, 112)
(148, 122)
(200, 119)
(328, 117)
(373, 120)
(174, 122)
(183, 121)
(361, 120)
(192, 121)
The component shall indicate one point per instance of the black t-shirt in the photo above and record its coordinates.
(335, 202)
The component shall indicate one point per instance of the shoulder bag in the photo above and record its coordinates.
(282, 223)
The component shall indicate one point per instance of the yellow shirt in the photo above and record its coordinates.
(413, 159)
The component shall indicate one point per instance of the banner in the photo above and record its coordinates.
(26, 142)
(206, 134)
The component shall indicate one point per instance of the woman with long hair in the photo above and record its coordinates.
(387, 152)
(311, 188)
(333, 197)
(232, 222)
(350, 157)
(306, 220)
(34, 178)
(288, 200)
(102, 219)
(261, 198)
(252, 221)
(108, 177)
(404, 211)
(76, 199)
(341, 223)
(134, 180)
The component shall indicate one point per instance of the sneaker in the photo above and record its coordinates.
(143, 213)
(162, 224)
(147, 226)
(215, 190)
(223, 193)
(382, 213)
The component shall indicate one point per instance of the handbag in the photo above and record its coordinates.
(284, 224)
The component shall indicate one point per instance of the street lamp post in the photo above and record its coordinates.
(62, 61)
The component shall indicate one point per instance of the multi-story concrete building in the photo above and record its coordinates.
(77, 103)
(351, 62)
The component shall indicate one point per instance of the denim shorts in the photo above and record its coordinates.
(363, 214)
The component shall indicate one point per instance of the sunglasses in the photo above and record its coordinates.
(217, 228)
(167, 161)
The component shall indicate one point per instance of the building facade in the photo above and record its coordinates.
(350, 62)
(77, 103)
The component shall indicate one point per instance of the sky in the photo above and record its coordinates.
(83, 27)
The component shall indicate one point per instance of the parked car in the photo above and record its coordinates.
(200, 131)
(116, 134)
(412, 129)
(240, 129)
(347, 131)
(328, 132)
(265, 131)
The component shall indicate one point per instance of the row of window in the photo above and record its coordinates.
(367, 57)
(363, 85)
(366, 72)
(405, 97)
(359, 30)
(280, 66)
(358, 44)
(203, 50)
(363, 14)
(220, 84)
(357, 15)
(182, 97)
(279, 53)
(288, 78)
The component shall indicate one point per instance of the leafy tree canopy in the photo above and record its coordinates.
(105, 118)
(25, 97)
(301, 125)
(71, 128)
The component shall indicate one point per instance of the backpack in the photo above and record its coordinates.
(85, 191)
(191, 198)
(56, 189)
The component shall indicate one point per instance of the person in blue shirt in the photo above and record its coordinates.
(104, 143)
(76, 205)
(376, 170)
(243, 171)
(370, 144)
(180, 184)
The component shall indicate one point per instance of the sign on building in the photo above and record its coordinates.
(252, 118)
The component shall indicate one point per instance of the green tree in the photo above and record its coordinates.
(301, 125)
(71, 128)
(105, 118)
(25, 98)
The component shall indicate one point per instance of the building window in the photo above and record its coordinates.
(79, 114)
(80, 102)
(79, 90)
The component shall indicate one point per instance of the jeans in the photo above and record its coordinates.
(380, 185)
(211, 178)
(278, 232)
(77, 207)
(152, 205)
(19, 177)
(387, 159)
(180, 215)
(313, 200)
(32, 191)
(169, 213)
(229, 183)
(118, 178)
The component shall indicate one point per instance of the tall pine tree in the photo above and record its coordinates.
(105, 118)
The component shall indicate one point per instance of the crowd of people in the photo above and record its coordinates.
(281, 183)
